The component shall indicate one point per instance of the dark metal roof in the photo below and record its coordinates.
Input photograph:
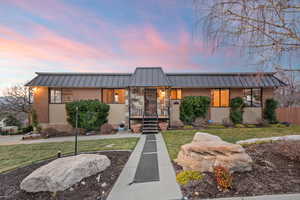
(224, 80)
(155, 76)
(149, 76)
(78, 80)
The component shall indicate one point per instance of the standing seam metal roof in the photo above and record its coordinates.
(154, 76)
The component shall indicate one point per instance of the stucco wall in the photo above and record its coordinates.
(175, 113)
(195, 92)
(267, 93)
(57, 114)
(252, 115)
(40, 104)
(117, 113)
(218, 114)
(86, 94)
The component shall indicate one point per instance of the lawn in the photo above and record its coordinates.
(175, 138)
(13, 156)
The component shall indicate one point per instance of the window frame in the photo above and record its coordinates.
(49, 96)
(102, 96)
(219, 89)
(176, 89)
(251, 104)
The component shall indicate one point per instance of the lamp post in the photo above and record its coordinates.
(76, 132)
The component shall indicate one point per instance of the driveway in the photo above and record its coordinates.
(17, 139)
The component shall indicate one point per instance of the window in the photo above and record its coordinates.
(220, 97)
(252, 97)
(55, 96)
(113, 96)
(175, 94)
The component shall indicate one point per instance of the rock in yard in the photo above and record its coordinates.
(207, 151)
(62, 173)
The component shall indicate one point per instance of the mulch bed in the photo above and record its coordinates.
(276, 170)
(91, 190)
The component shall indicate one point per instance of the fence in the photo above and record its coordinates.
(289, 114)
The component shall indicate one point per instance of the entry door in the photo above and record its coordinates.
(151, 102)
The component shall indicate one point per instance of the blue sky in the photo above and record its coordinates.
(104, 36)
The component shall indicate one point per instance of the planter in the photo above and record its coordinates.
(163, 126)
(136, 128)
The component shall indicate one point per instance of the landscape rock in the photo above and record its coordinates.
(62, 173)
(200, 122)
(136, 128)
(255, 140)
(207, 151)
(107, 129)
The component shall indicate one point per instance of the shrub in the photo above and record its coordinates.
(27, 129)
(278, 125)
(236, 110)
(270, 111)
(251, 126)
(216, 126)
(11, 120)
(188, 127)
(107, 129)
(239, 126)
(223, 178)
(184, 177)
(192, 107)
(91, 114)
(34, 118)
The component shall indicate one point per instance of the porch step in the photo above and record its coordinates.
(150, 125)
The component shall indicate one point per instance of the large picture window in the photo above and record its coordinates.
(55, 96)
(252, 97)
(175, 94)
(220, 97)
(58, 95)
(113, 96)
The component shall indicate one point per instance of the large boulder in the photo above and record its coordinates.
(62, 173)
(207, 151)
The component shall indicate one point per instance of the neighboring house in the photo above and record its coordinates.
(150, 92)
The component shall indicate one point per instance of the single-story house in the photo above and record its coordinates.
(150, 92)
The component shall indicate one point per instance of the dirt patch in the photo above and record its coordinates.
(91, 190)
(276, 170)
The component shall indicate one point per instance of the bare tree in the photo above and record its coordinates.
(16, 100)
(264, 29)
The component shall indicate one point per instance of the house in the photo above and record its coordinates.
(150, 93)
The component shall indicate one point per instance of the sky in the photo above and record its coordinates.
(104, 36)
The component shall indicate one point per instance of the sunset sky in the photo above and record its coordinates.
(104, 36)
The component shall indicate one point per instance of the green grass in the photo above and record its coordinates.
(175, 138)
(13, 156)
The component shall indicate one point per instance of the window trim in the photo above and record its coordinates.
(229, 97)
(176, 94)
(49, 96)
(251, 104)
(102, 89)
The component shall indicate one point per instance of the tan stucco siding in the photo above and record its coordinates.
(267, 94)
(117, 113)
(41, 104)
(86, 94)
(195, 92)
(57, 114)
(217, 115)
(252, 115)
(174, 112)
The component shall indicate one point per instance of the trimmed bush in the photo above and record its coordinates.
(11, 120)
(92, 114)
(236, 110)
(192, 107)
(184, 177)
(270, 111)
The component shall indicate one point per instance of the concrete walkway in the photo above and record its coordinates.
(164, 189)
(17, 139)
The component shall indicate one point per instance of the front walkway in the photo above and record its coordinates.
(17, 139)
(165, 188)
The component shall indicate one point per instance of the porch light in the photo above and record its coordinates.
(35, 90)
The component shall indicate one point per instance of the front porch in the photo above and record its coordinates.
(149, 103)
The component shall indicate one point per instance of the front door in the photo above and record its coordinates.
(150, 102)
